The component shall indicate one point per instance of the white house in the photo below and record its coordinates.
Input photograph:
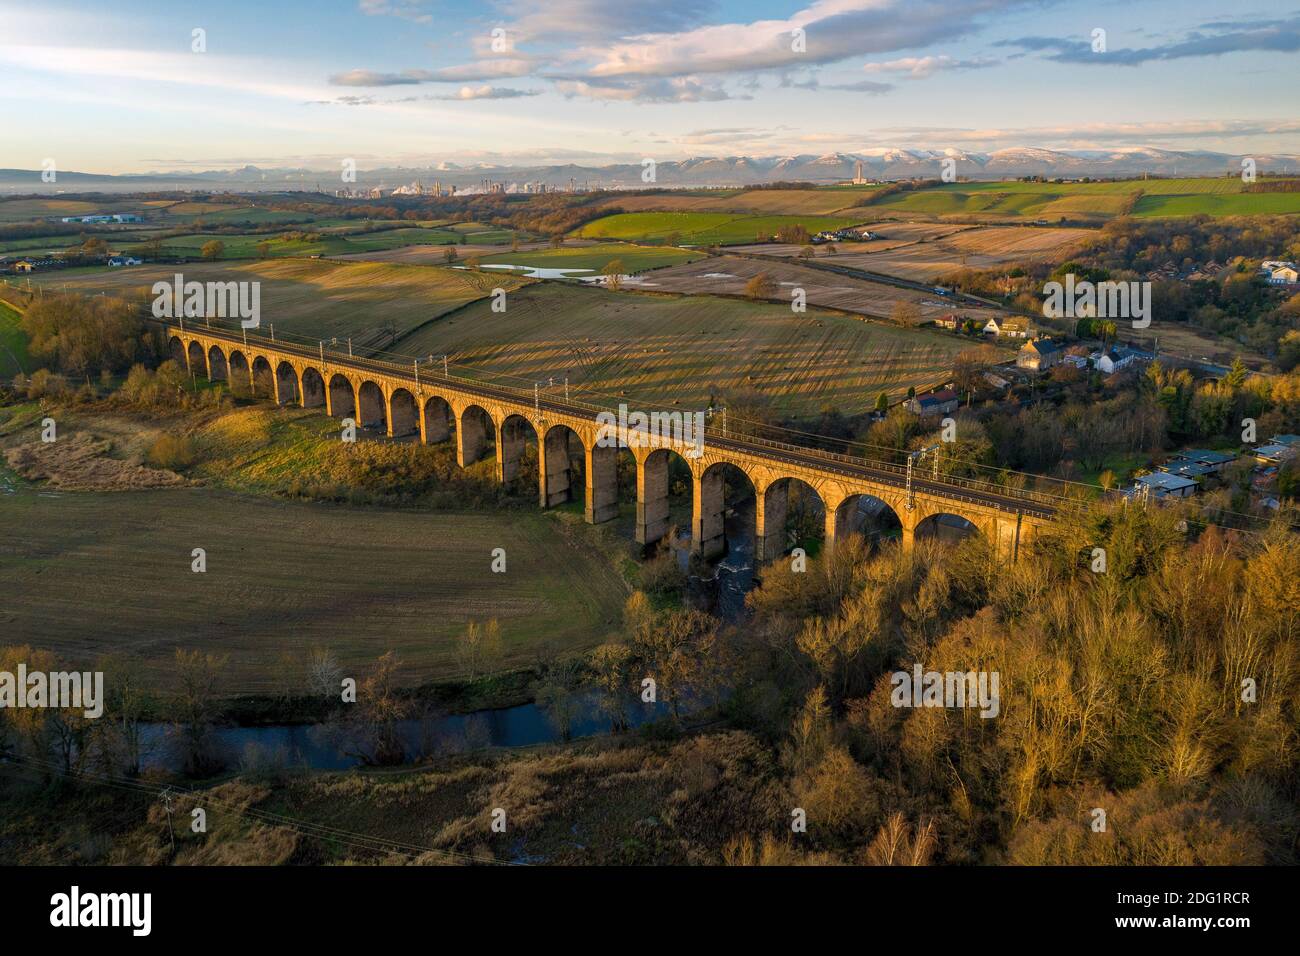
(1009, 326)
(1113, 360)
(1279, 272)
(125, 261)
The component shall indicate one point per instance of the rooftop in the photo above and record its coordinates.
(1165, 481)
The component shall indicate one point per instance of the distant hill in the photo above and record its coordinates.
(882, 164)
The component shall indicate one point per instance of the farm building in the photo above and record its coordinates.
(1038, 355)
(117, 217)
(939, 402)
(31, 265)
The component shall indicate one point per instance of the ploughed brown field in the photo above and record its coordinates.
(730, 275)
(663, 348)
(926, 257)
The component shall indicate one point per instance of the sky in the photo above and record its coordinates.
(141, 86)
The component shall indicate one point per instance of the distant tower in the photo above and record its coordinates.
(858, 179)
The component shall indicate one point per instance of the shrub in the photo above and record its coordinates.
(173, 452)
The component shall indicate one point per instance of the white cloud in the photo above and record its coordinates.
(920, 67)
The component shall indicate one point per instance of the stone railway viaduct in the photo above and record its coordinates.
(404, 400)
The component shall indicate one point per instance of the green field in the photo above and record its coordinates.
(13, 345)
(314, 298)
(665, 348)
(22, 210)
(1220, 204)
(634, 258)
(86, 574)
(702, 228)
(1159, 197)
(247, 246)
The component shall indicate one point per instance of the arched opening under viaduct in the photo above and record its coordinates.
(564, 470)
(240, 374)
(263, 378)
(404, 414)
(313, 388)
(663, 494)
(439, 420)
(726, 507)
(197, 359)
(217, 369)
(176, 349)
(475, 436)
(286, 382)
(517, 454)
(869, 516)
(371, 412)
(794, 516)
(343, 401)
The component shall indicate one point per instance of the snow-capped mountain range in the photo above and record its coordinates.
(877, 164)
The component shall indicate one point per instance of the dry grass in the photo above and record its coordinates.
(89, 574)
(315, 297)
(81, 462)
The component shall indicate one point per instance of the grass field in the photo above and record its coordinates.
(247, 246)
(13, 344)
(793, 202)
(87, 574)
(437, 254)
(595, 257)
(20, 210)
(1159, 197)
(662, 348)
(314, 297)
(702, 229)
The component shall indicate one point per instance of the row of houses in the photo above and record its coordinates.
(27, 266)
(845, 235)
(1039, 355)
(109, 219)
(1008, 326)
(1172, 273)
(1186, 470)
(1281, 272)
